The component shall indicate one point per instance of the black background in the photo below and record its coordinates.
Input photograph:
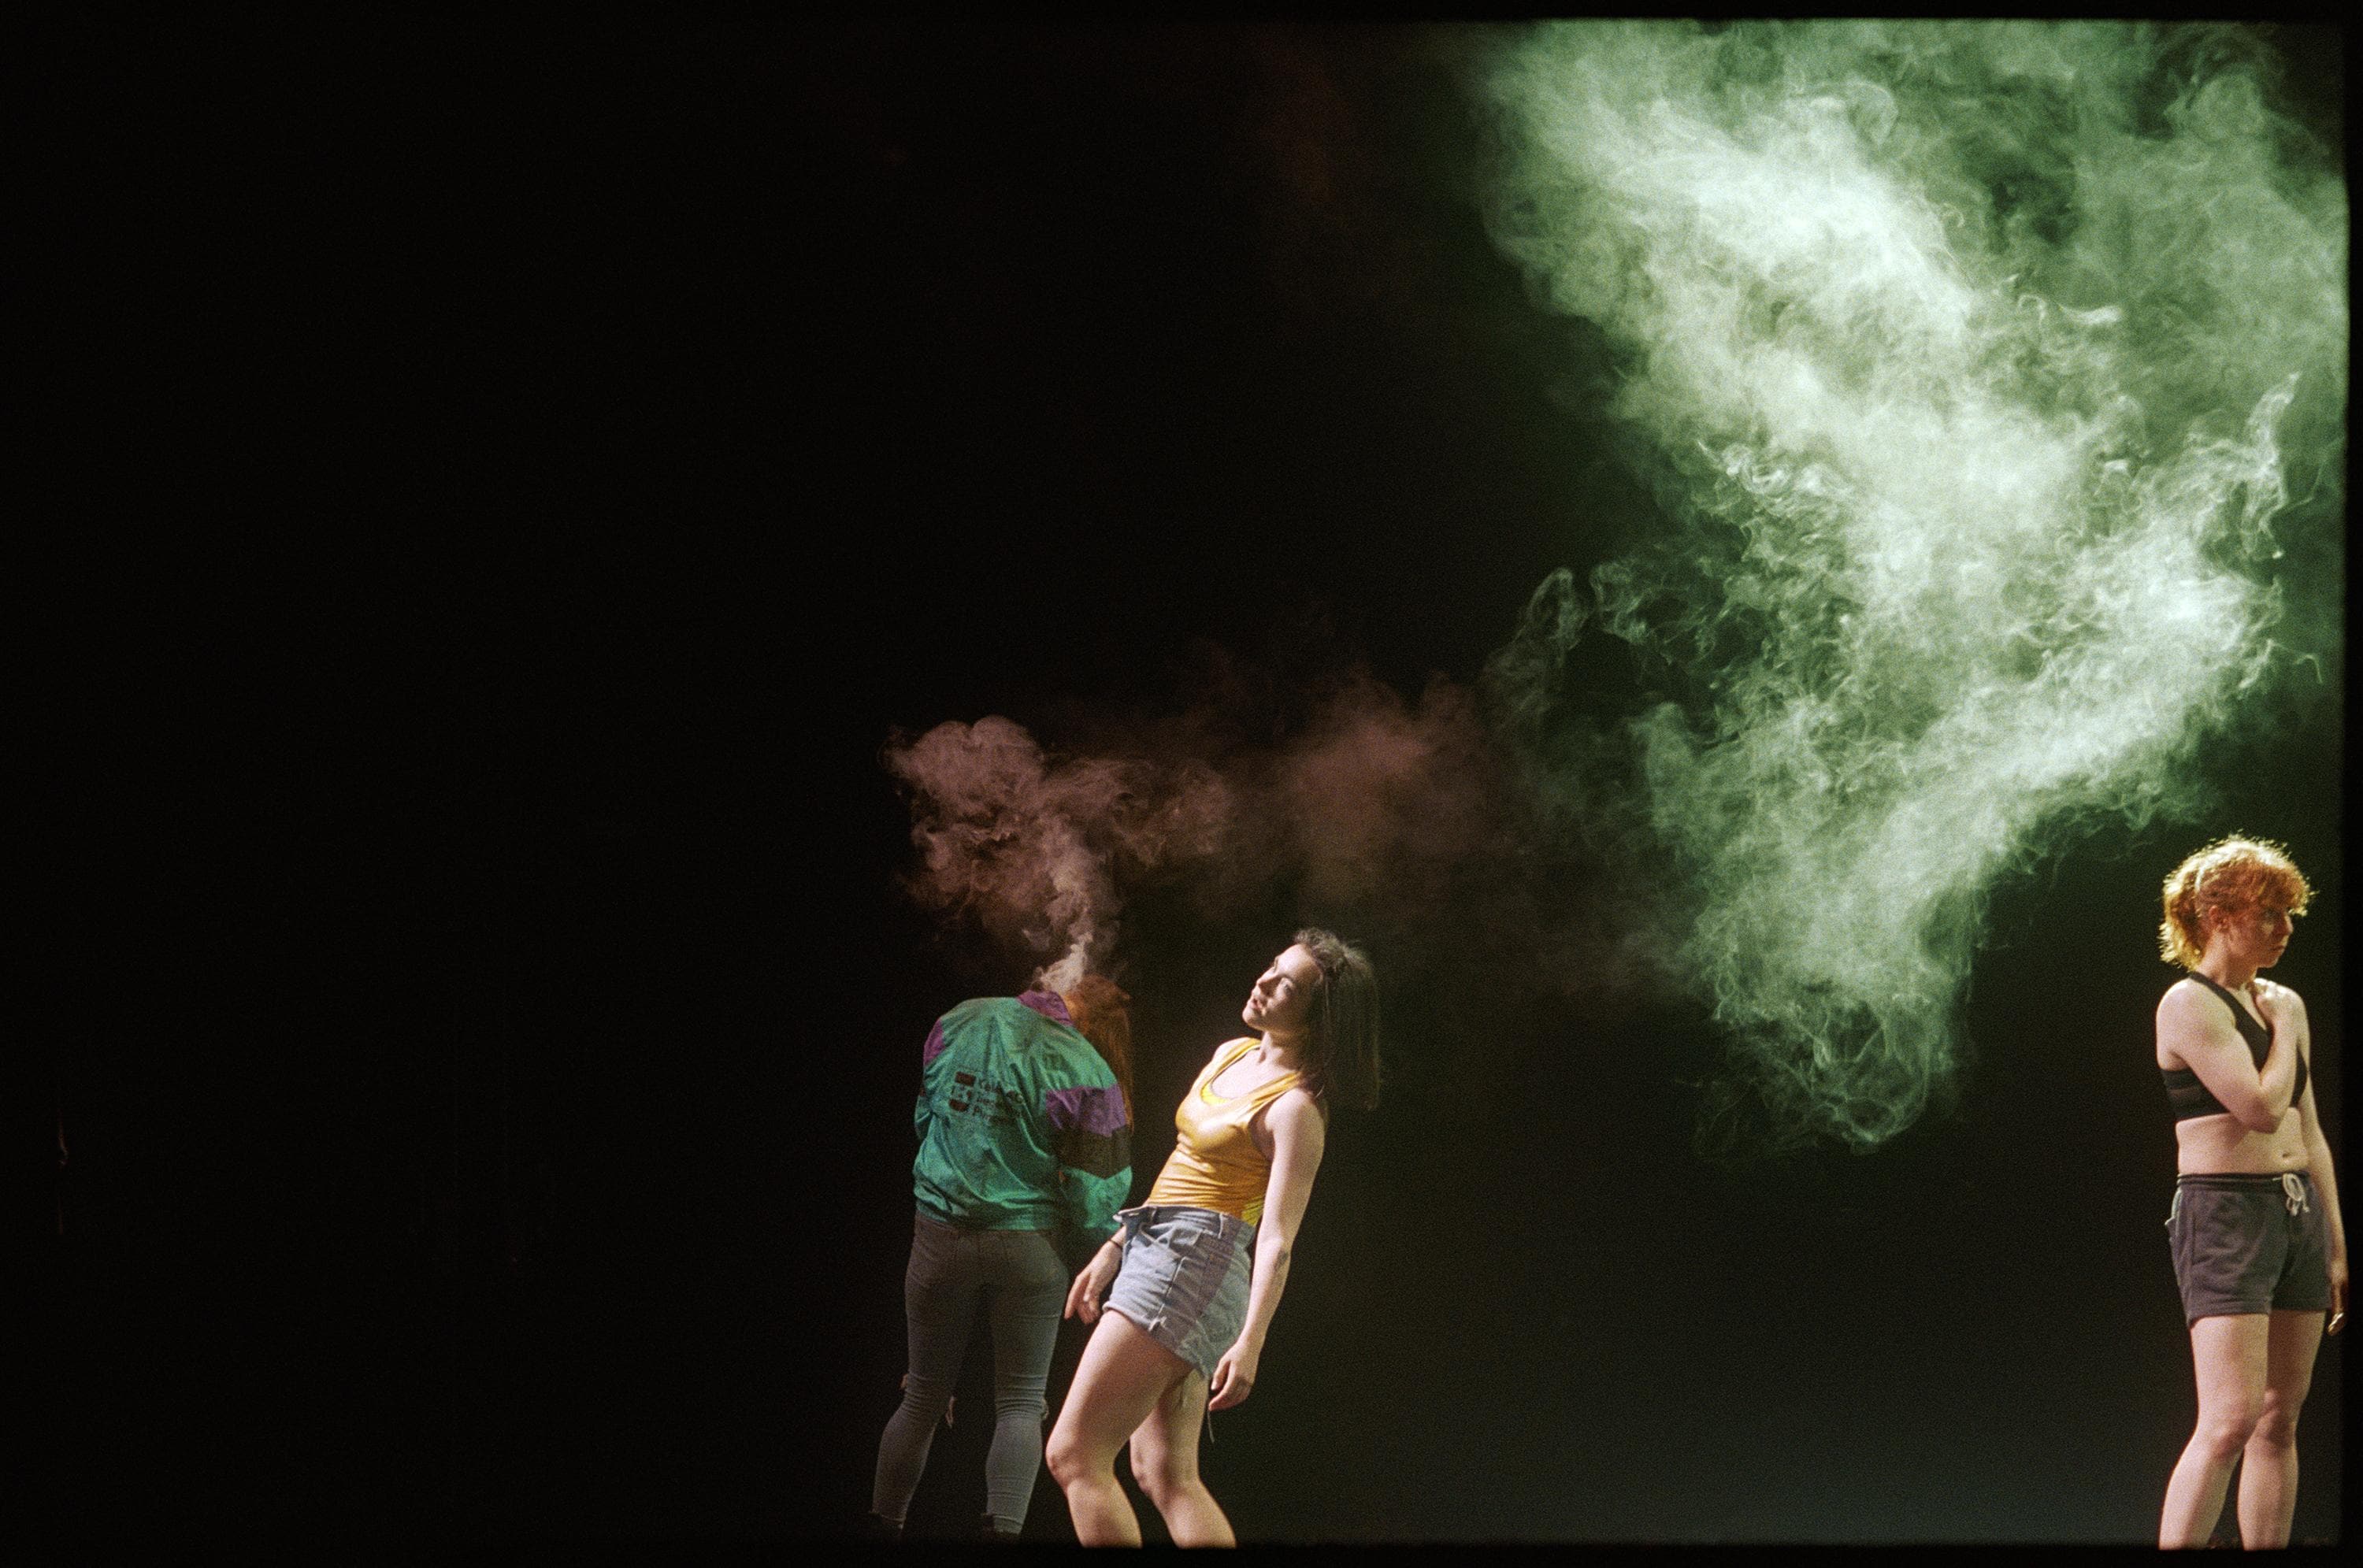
(529, 477)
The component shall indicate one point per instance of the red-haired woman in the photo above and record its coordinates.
(2258, 1250)
(1025, 1129)
(1193, 1278)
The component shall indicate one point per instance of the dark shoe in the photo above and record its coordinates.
(883, 1529)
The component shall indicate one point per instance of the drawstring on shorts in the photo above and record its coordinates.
(2294, 1192)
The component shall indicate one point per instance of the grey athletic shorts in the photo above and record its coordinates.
(2249, 1244)
(1184, 1280)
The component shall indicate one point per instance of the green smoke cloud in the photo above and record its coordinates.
(1978, 361)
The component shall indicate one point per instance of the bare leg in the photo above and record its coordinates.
(2268, 1470)
(2227, 1355)
(1119, 1383)
(1165, 1462)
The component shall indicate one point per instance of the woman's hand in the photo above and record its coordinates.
(1091, 1287)
(2338, 1293)
(1234, 1378)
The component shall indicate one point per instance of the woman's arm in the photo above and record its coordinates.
(1097, 1279)
(2196, 1029)
(1298, 1133)
(2317, 1161)
(2325, 1183)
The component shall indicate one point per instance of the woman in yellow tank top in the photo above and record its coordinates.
(1192, 1280)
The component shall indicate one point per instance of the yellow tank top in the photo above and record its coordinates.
(1216, 1163)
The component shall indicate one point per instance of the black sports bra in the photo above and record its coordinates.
(2191, 1097)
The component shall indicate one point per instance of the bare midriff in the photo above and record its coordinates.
(2219, 1145)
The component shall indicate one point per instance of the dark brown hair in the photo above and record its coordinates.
(1103, 1015)
(1342, 1046)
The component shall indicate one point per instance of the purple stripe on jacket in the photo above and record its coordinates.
(1050, 1005)
(935, 1046)
(1085, 1110)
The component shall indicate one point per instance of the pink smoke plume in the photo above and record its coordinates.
(1373, 805)
(1379, 792)
(1033, 847)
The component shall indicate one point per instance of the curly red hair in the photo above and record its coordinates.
(1103, 1014)
(2231, 876)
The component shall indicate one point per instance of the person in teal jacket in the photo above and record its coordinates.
(1025, 1126)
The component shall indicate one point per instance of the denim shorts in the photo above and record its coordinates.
(2249, 1244)
(1184, 1280)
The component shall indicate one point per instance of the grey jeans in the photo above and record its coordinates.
(1021, 1280)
